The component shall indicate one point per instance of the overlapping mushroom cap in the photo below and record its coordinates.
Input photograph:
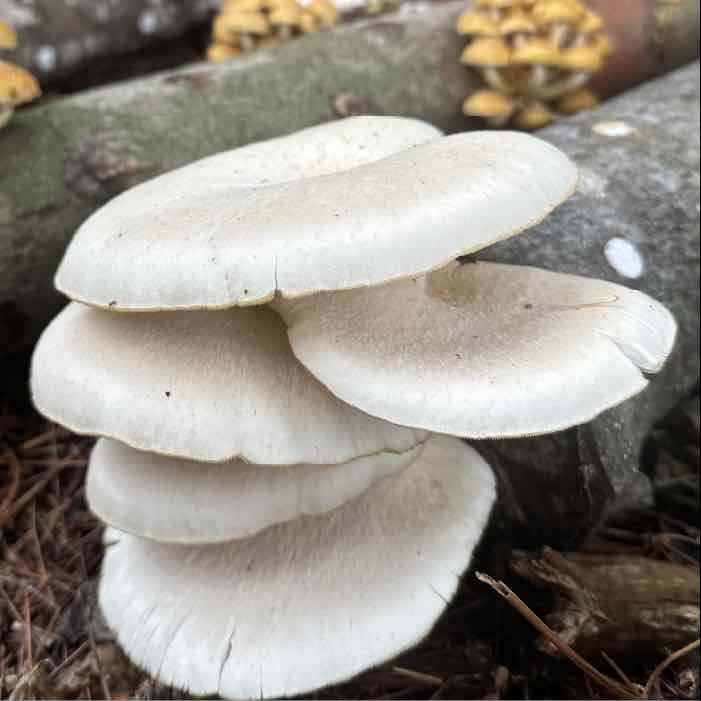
(306, 603)
(351, 203)
(482, 349)
(207, 386)
(183, 501)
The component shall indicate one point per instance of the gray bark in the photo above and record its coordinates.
(62, 160)
(60, 37)
(642, 187)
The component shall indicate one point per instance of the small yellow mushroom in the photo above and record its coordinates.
(534, 115)
(489, 104)
(590, 23)
(538, 51)
(285, 18)
(324, 11)
(582, 99)
(486, 52)
(222, 52)
(517, 22)
(472, 22)
(17, 86)
(8, 36)
(587, 59)
(308, 22)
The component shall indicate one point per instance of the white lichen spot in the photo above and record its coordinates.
(46, 58)
(624, 257)
(613, 128)
(148, 22)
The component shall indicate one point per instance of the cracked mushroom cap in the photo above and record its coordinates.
(199, 385)
(182, 501)
(17, 85)
(307, 603)
(333, 213)
(8, 36)
(483, 350)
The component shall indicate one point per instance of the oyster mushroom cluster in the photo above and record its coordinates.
(17, 85)
(279, 353)
(245, 25)
(536, 56)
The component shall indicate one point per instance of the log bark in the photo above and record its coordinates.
(58, 38)
(62, 38)
(638, 156)
(619, 604)
(62, 160)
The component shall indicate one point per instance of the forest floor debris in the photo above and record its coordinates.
(53, 643)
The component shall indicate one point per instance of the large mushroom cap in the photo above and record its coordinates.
(206, 386)
(318, 210)
(310, 602)
(483, 350)
(181, 501)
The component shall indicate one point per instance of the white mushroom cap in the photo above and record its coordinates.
(310, 602)
(321, 215)
(207, 386)
(483, 350)
(182, 501)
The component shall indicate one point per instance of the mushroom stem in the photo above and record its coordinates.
(568, 84)
(247, 42)
(558, 33)
(538, 77)
(493, 77)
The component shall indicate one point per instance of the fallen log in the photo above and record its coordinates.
(60, 39)
(62, 160)
(638, 156)
(619, 604)
(638, 153)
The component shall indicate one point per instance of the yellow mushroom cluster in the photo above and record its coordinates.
(536, 56)
(245, 25)
(17, 85)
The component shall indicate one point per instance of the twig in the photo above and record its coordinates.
(427, 679)
(15, 476)
(620, 690)
(27, 497)
(617, 669)
(657, 672)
